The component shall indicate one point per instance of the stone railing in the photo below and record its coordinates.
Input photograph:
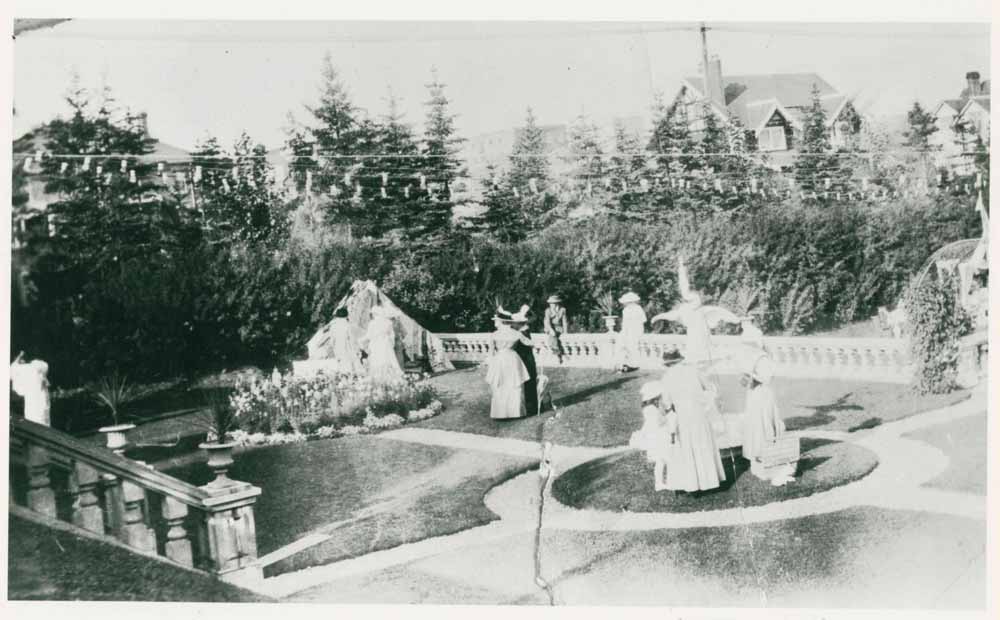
(885, 360)
(210, 528)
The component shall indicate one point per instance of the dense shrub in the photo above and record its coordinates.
(937, 322)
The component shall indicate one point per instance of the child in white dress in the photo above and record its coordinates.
(658, 434)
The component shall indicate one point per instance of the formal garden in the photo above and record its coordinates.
(174, 332)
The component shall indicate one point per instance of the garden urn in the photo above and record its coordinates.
(220, 459)
(115, 436)
(609, 322)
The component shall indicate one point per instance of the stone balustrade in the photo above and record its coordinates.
(885, 360)
(210, 528)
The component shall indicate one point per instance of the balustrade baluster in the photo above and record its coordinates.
(134, 531)
(87, 511)
(178, 547)
(41, 497)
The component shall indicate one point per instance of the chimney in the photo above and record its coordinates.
(714, 90)
(143, 120)
(972, 78)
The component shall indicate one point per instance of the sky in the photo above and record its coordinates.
(196, 78)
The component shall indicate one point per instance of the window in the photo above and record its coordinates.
(772, 139)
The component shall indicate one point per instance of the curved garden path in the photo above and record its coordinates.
(904, 465)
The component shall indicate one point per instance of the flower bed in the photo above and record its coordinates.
(288, 409)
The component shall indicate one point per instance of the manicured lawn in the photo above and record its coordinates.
(601, 408)
(964, 441)
(625, 481)
(366, 493)
(47, 564)
(861, 557)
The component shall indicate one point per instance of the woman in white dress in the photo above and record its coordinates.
(506, 375)
(695, 464)
(633, 327)
(383, 365)
(762, 420)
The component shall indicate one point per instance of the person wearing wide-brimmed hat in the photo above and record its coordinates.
(762, 423)
(633, 327)
(658, 435)
(506, 373)
(525, 349)
(695, 464)
(555, 325)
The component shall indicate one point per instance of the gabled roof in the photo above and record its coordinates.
(983, 102)
(746, 96)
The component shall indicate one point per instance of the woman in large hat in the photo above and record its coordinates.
(633, 327)
(695, 463)
(525, 349)
(506, 373)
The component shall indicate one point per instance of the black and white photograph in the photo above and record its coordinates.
(670, 312)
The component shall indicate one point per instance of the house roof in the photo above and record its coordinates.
(983, 102)
(37, 140)
(754, 98)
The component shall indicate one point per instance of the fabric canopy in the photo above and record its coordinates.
(413, 342)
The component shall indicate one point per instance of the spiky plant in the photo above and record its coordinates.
(115, 392)
(606, 303)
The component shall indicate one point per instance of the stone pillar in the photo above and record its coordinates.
(134, 532)
(178, 547)
(41, 497)
(86, 508)
(231, 532)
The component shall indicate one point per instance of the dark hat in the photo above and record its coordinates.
(671, 356)
(340, 313)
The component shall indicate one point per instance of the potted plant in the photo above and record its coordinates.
(115, 392)
(606, 303)
(222, 420)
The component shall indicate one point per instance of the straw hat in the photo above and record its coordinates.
(629, 298)
(672, 356)
(554, 299)
(651, 390)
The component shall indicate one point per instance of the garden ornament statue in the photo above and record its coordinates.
(697, 319)
(30, 381)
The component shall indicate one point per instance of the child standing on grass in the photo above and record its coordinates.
(658, 434)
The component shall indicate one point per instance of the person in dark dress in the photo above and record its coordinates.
(526, 351)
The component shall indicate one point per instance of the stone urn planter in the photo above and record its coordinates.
(609, 322)
(220, 459)
(115, 436)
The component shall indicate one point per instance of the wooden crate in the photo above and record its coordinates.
(781, 451)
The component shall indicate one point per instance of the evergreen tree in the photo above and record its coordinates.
(528, 159)
(586, 155)
(329, 156)
(818, 168)
(441, 144)
(442, 165)
(106, 213)
(671, 140)
(626, 169)
(921, 127)
(713, 147)
(504, 217)
(236, 195)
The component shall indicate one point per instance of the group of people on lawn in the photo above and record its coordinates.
(680, 414)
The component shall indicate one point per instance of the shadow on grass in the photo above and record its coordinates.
(869, 423)
(584, 395)
(822, 414)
